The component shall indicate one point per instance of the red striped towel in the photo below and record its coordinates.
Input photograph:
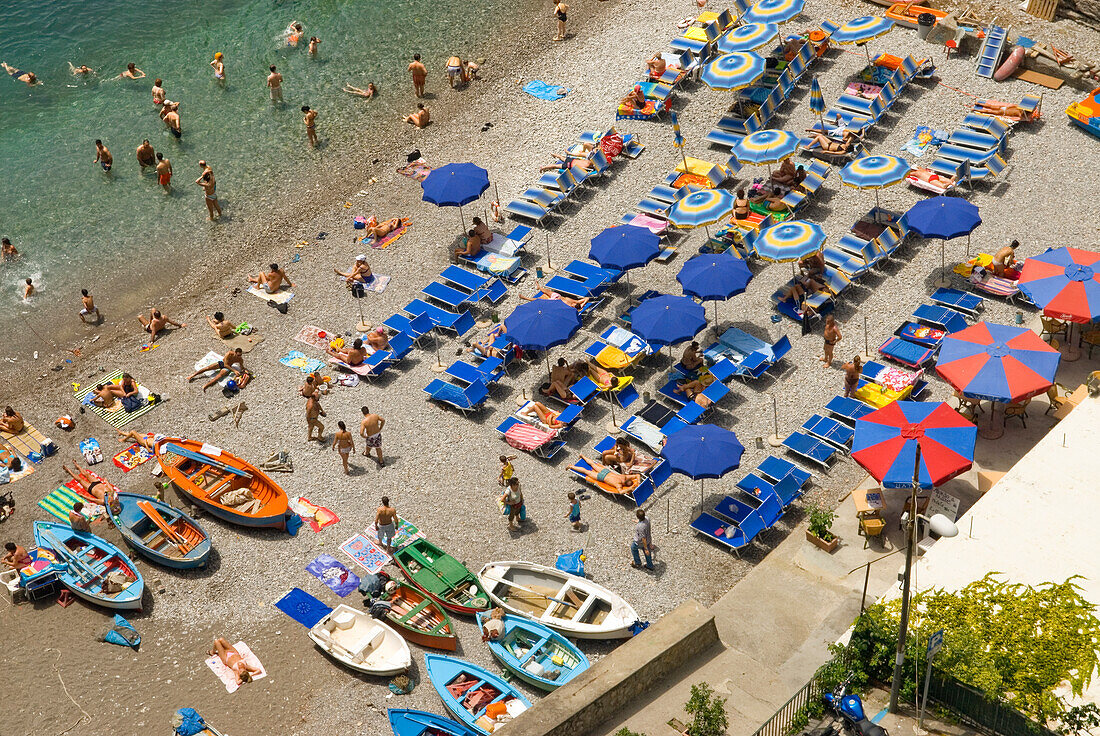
(527, 438)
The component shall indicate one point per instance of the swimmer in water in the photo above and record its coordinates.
(132, 72)
(310, 119)
(164, 173)
(18, 74)
(146, 156)
(28, 290)
(275, 84)
(80, 70)
(103, 157)
(369, 92)
(8, 251)
(158, 93)
(206, 181)
(218, 65)
(293, 34)
(314, 42)
(169, 113)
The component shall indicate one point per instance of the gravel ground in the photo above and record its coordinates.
(442, 466)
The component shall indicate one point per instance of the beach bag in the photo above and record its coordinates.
(124, 634)
(572, 563)
(132, 403)
(187, 722)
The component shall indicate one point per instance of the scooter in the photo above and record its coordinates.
(849, 708)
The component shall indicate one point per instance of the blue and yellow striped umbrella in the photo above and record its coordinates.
(773, 11)
(789, 241)
(766, 147)
(733, 71)
(874, 172)
(701, 208)
(748, 37)
(817, 101)
(864, 28)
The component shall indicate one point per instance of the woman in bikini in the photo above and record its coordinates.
(545, 415)
(232, 659)
(378, 230)
(831, 145)
(600, 473)
(360, 271)
(851, 376)
(741, 206)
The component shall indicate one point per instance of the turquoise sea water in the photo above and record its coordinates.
(74, 224)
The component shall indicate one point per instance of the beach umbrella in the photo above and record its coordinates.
(702, 451)
(747, 37)
(773, 11)
(910, 444)
(1064, 283)
(623, 247)
(455, 185)
(714, 277)
(666, 319)
(874, 172)
(944, 218)
(997, 362)
(701, 209)
(789, 241)
(541, 324)
(861, 30)
(766, 147)
(817, 101)
(733, 71)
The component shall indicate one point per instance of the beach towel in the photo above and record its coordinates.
(496, 264)
(363, 369)
(297, 359)
(332, 573)
(90, 449)
(6, 456)
(311, 335)
(210, 359)
(386, 240)
(279, 297)
(59, 503)
(629, 112)
(226, 675)
(76, 488)
(30, 443)
(377, 284)
(366, 552)
(132, 456)
(527, 438)
(920, 142)
(117, 416)
(302, 607)
(406, 533)
(543, 91)
(244, 342)
(318, 516)
(417, 170)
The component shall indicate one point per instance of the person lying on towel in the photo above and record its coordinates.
(379, 230)
(233, 660)
(545, 293)
(600, 473)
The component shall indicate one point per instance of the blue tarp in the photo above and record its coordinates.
(544, 91)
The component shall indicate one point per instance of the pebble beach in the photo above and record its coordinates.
(441, 467)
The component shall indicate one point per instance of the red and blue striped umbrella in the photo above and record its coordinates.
(1064, 283)
(887, 441)
(997, 362)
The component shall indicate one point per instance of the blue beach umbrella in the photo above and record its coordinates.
(733, 71)
(703, 451)
(714, 277)
(861, 30)
(943, 218)
(874, 172)
(667, 320)
(747, 37)
(789, 241)
(624, 247)
(773, 11)
(817, 100)
(455, 185)
(541, 324)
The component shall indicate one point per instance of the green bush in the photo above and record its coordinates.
(709, 712)
(624, 731)
(821, 519)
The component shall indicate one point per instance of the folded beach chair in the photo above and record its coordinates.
(722, 532)
(940, 317)
(812, 449)
(909, 354)
(415, 328)
(460, 323)
(848, 409)
(830, 430)
(957, 300)
(742, 515)
(538, 441)
(777, 470)
(466, 399)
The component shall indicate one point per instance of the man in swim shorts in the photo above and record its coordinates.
(103, 157)
(454, 70)
(170, 114)
(77, 520)
(156, 322)
(272, 280)
(231, 362)
(158, 92)
(164, 173)
(275, 84)
(209, 187)
(313, 414)
(88, 306)
(27, 78)
(370, 429)
(385, 524)
(353, 356)
(419, 74)
(146, 156)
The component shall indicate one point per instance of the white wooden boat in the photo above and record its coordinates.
(360, 642)
(572, 605)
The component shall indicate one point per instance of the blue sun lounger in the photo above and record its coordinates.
(958, 300)
(785, 491)
(591, 274)
(459, 323)
(907, 353)
(830, 430)
(848, 409)
(767, 506)
(721, 531)
(742, 515)
(416, 328)
(546, 451)
(812, 449)
(942, 318)
(448, 296)
(465, 399)
(488, 371)
(477, 287)
(776, 469)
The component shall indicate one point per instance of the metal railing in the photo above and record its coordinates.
(976, 709)
(780, 724)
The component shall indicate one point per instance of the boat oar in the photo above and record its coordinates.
(170, 534)
(510, 584)
(200, 458)
(69, 555)
(436, 726)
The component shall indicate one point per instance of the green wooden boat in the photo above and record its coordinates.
(441, 577)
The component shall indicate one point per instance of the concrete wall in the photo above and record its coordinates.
(617, 679)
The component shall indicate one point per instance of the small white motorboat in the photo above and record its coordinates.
(360, 642)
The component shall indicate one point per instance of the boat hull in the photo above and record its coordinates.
(128, 599)
(395, 660)
(442, 670)
(417, 552)
(527, 631)
(412, 597)
(130, 520)
(406, 722)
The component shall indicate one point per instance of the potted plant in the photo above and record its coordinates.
(818, 532)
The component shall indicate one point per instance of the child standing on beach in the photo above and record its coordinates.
(574, 511)
(506, 470)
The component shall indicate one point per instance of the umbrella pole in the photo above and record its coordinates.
(549, 265)
(968, 246)
(866, 349)
(546, 354)
(438, 367)
(613, 427)
(1073, 350)
(774, 440)
(716, 316)
(462, 217)
(363, 325)
(992, 431)
(877, 203)
(701, 481)
(942, 281)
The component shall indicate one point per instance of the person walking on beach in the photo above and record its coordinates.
(209, 186)
(218, 65)
(574, 511)
(513, 499)
(275, 84)
(643, 540)
(313, 411)
(310, 119)
(385, 524)
(370, 429)
(851, 375)
(103, 157)
(164, 173)
(146, 156)
(88, 306)
(343, 443)
(561, 11)
(832, 337)
(419, 74)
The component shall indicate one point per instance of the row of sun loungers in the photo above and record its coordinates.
(858, 113)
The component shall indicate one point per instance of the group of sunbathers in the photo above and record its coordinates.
(359, 350)
(810, 279)
(563, 375)
(476, 237)
(107, 393)
(770, 193)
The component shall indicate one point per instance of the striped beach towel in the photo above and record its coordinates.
(116, 416)
(30, 443)
(60, 502)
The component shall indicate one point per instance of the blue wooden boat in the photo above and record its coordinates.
(161, 532)
(90, 564)
(422, 723)
(539, 656)
(468, 691)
